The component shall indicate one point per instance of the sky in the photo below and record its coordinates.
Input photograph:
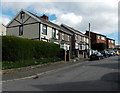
(101, 14)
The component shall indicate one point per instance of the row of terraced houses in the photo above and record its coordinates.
(28, 25)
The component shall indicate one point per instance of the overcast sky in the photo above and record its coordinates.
(103, 16)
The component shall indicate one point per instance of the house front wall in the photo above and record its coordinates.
(14, 23)
(30, 27)
(31, 31)
(110, 43)
(100, 40)
(2, 30)
(13, 31)
(49, 33)
(65, 37)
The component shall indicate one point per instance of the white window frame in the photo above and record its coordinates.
(20, 30)
(112, 41)
(103, 38)
(44, 27)
(98, 37)
(80, 47)
(22, 15)
(68, 38)
(63, 36)
(76, 36)
(76, 46)
(53, 32)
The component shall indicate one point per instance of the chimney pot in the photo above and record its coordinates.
(44, 17)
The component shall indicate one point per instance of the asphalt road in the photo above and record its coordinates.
(99, 75)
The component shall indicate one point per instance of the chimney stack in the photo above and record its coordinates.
(44, 17)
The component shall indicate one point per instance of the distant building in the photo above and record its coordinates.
(96, 38)
(110, 43)
(2, 30)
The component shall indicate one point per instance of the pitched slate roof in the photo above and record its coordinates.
(65, 30)
(110, 39)
(42, 20)
(72, 29)
(45, 21)
(96, 33)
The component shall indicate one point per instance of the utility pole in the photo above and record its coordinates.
(89, 41)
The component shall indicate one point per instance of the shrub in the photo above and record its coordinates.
(45, 50)
(20, 49)
(98, 46)
(16, 49)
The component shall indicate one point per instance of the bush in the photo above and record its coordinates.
(16, 49)
(45, 50)
(20, 49)
(73, 57)
(98, 46)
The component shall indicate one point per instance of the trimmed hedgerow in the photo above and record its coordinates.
(45, 50)
(16, 49)
(20, 49)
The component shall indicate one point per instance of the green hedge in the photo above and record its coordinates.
(20, 49)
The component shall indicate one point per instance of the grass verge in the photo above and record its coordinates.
(25, 63)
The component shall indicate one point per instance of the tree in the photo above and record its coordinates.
(98, 46)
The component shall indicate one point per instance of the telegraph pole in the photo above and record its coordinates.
(89, 41)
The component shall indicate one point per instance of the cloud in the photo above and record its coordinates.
(4, 19)
(103, 16)
(70, 18)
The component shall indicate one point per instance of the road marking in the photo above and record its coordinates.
(46, 72)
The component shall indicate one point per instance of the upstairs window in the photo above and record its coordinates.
(76, 37)
(84, 39)
(68, 38)
(44, 29)
(98, 37)
(103, 38)
(76, 45)
(112, 41)
(87, 40)
(22, 15)
(80, 38)
(20, 30)
(54, 33)
(62, 36)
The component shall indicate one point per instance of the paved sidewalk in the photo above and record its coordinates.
(39, 70)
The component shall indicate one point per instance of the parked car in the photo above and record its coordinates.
(117, 53)
(96, 56)
(111, 53)
(105, 53)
